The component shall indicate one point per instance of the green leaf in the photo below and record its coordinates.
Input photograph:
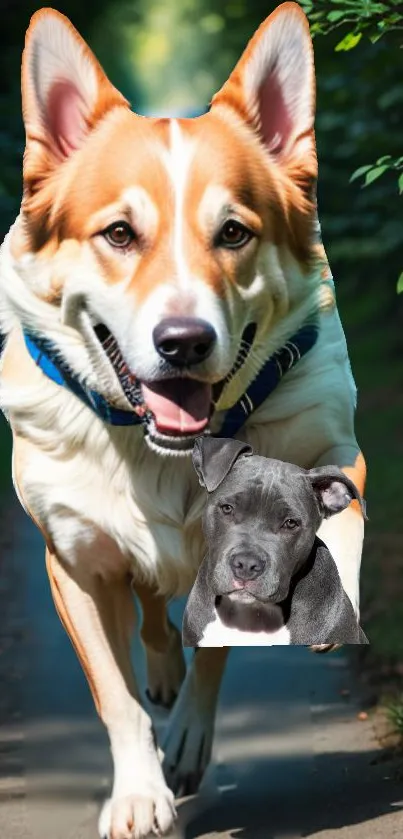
(400, 182)
(361, 171)
(316, 29)
(377, 8)
(333, 16)
(376, 37)
(374, 174)
(400, 284)
(383, 159)
(349, 42)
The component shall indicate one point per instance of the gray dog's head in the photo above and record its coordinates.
(261, 517)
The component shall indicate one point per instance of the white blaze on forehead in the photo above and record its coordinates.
(177, 162)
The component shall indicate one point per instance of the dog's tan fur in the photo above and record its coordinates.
(113, 512)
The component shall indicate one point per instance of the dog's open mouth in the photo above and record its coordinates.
(180, 406)
(176, 409)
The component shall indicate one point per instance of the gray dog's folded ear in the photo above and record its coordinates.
(213, 458)
(334, 490)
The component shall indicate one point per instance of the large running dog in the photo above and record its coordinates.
(164, 279)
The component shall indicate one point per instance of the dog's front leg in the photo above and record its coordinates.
(99, 617)
(344, 533)
(190, 734)
(162, 641)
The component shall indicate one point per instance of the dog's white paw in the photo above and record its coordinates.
(188, 742)
(138, 815)
(165, 670)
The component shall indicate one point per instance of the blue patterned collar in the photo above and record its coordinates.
(48, 360)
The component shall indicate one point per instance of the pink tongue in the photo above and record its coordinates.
(179, 405)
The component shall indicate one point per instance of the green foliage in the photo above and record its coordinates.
(374, 171)
(349, 41)
(366, 17)
(373, 20)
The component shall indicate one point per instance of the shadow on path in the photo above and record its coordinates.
(344, 789)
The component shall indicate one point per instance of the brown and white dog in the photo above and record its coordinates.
(143, 251)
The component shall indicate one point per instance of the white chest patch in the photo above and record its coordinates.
(216, 634)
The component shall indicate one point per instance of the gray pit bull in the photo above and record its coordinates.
(266, 578)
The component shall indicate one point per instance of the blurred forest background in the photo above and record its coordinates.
(169, 57)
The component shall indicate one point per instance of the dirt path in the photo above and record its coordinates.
(291, 757)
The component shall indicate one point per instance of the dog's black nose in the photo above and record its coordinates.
(246, 567)
(184, 341)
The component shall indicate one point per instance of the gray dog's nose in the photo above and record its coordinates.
(246, 567)
(184, 341)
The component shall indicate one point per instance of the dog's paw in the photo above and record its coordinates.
(166, 670)
(188, 743)
(137, 816)
(325, 648)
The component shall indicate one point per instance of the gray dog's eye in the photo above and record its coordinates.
(290, 524)
(226, 509)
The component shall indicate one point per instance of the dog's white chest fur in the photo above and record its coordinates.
(216, 634)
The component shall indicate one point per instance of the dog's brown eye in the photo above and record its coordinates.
(233, 234)
(120, 234)
(226, 509)
(290, 524)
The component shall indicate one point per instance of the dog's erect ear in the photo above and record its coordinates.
(334, 490)
(213, 458)
(273, 86)
(64, 94)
